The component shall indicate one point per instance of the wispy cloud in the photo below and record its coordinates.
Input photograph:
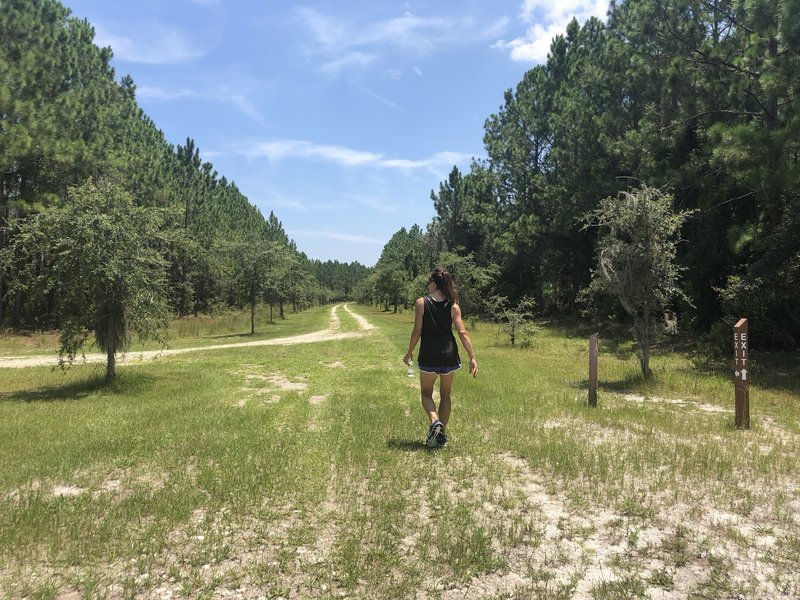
(224, 94)
(283, 149)
(301, 149)
(437, 160)
(496, 28)
(335, 235)
(151, 92)
(278, 201)
(374, 202)
(335, 34)
(544, 20)
(373, 94)
(339, 43)
(241, 102)
(347, 60)
(154, 44)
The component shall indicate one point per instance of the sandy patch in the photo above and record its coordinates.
(639, 399)
(317, 399)
(586, 547)
(110, 486)
(282, 383)
(67, 490)
(269, 388)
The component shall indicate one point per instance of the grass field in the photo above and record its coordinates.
(298, 471)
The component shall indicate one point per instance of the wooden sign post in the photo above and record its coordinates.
(741, 373)
(593, 370)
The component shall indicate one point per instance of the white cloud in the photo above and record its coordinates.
(374, 202)
(156, 93)
(243, 103)
(284, 202)
(283, 149)
(335, 235)
(328, 31)
(348, 59)
(225, 95)
(546, 19)
(535, 45)
(339, 43)
(373, 94)
(155, 44)
(495, 29)
(408, 31)
(301, 149)
(562, 11)
(439, 159)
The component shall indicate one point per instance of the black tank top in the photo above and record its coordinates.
(438, 346)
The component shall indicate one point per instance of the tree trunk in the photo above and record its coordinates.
(641, 328)
(252, 317)
(774, 179)
(111, 350)
(17, 320)
(280, 307)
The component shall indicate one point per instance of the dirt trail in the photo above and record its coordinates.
(325, 335)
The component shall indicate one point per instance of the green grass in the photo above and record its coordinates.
(300, 471)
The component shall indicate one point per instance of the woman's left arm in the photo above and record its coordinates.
(458, 323)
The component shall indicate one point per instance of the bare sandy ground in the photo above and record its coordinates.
(325, 335)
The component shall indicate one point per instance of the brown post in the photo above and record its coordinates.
(593, 370)
(741, 379)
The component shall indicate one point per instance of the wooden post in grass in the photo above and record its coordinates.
(593, 370)
(741, 379)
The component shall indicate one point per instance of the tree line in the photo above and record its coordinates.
(104, 225)
(695, 99)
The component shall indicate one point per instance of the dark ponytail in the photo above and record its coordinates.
(444, 281)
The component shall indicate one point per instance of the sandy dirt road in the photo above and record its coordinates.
(324, 335)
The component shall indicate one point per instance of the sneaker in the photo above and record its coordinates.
(441, 439)
(433, 433)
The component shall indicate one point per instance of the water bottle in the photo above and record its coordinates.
(410, 370)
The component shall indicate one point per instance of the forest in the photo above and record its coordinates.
(694, 100)
(697, 99)
(80, 164)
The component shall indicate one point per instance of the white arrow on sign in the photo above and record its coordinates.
(744, 374)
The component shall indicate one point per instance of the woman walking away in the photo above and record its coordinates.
(434, 316)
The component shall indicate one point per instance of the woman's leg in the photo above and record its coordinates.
(445, 385)
(426, 381)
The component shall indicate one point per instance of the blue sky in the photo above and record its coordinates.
(340, 116)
